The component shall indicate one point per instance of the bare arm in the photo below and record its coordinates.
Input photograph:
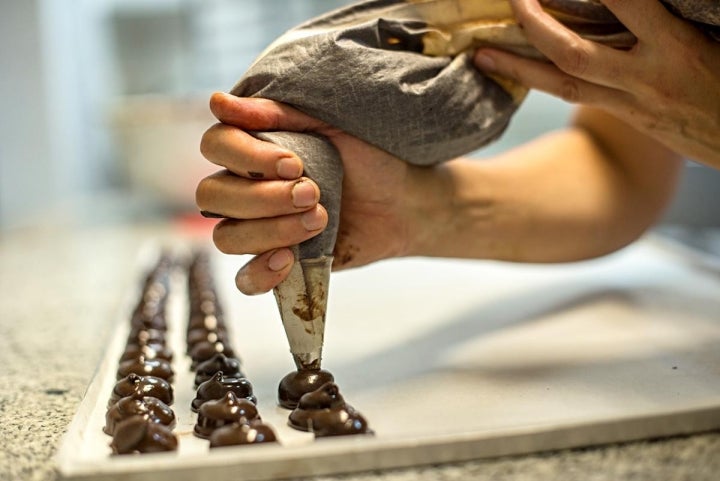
(581, 192)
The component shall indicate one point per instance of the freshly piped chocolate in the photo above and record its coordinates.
(297, 383)
(208, 319)
(139, 434)
(141, 336)
(218, 386)
(224, 411)
(202, 351)
(230, 366)
(324, 412)
(149, 351)
(137, 404)
(200, 334)
(146, 367)
(149, 318)
(239, 434)
(148, 386)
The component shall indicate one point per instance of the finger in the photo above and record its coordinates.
(646, 19)
(256, 236)
(572, 54)
(234, 197)
(264, 272)
(246, 156)
(547, 78)
(260, 114)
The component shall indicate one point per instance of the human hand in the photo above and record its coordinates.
(270, 206)
(666, 86)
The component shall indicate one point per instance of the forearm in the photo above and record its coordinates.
(579, 193)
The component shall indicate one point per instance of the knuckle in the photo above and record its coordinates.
(574, 58)
(570, 90)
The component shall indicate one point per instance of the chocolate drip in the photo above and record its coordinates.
(149, 351)
(218, 386)
(238, 434)
(146, 367)
(297, 383)
(139, 434)
(324, 412)
(205, 350)
(142, 336)
(227, 410)
(137, 404)
(148, 386)
(218, 363)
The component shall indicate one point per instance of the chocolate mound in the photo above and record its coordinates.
(140, 336)
(219, 385)
(200, 334)
(138, 434)
(146, 367)
(204, 350)
(149, 351)
(238, 434)
(324, 412)
(227, 410)
(148, 386)
(230, 366)
(137, 404)
(149, 318)
(297, 383)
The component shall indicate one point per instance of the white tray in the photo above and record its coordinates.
(452, 361)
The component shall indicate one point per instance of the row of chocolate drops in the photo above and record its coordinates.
(139, 417)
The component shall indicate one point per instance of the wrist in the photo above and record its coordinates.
(444, 209)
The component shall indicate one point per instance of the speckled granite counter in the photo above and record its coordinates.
(59, 292)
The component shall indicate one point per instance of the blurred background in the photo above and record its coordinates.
(103, 102)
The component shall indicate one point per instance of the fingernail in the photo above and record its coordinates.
(485, 62)
(289, 168)
(304, 195)
(279, 260)
(312, 220)
(244, 283)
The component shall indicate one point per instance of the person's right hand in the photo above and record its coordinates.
(269, 205)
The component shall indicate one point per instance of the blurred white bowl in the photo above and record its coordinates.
(158, 141)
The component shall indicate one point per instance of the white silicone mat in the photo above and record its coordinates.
(452, 361)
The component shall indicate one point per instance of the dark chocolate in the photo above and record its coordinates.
(230, 366)
(149, 386)
(145, 320)
(224, 411)
(297, 383)
(324, 412)
(146, 367)
(219, 385)
(238, 434)
(139, 434)
(137, 404)
(202, 351)
(200, 334)
(140, 336)
(207, 320)
(150, 351)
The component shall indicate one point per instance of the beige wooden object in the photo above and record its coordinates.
(452, 361)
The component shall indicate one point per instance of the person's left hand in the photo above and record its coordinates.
(667, 85)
